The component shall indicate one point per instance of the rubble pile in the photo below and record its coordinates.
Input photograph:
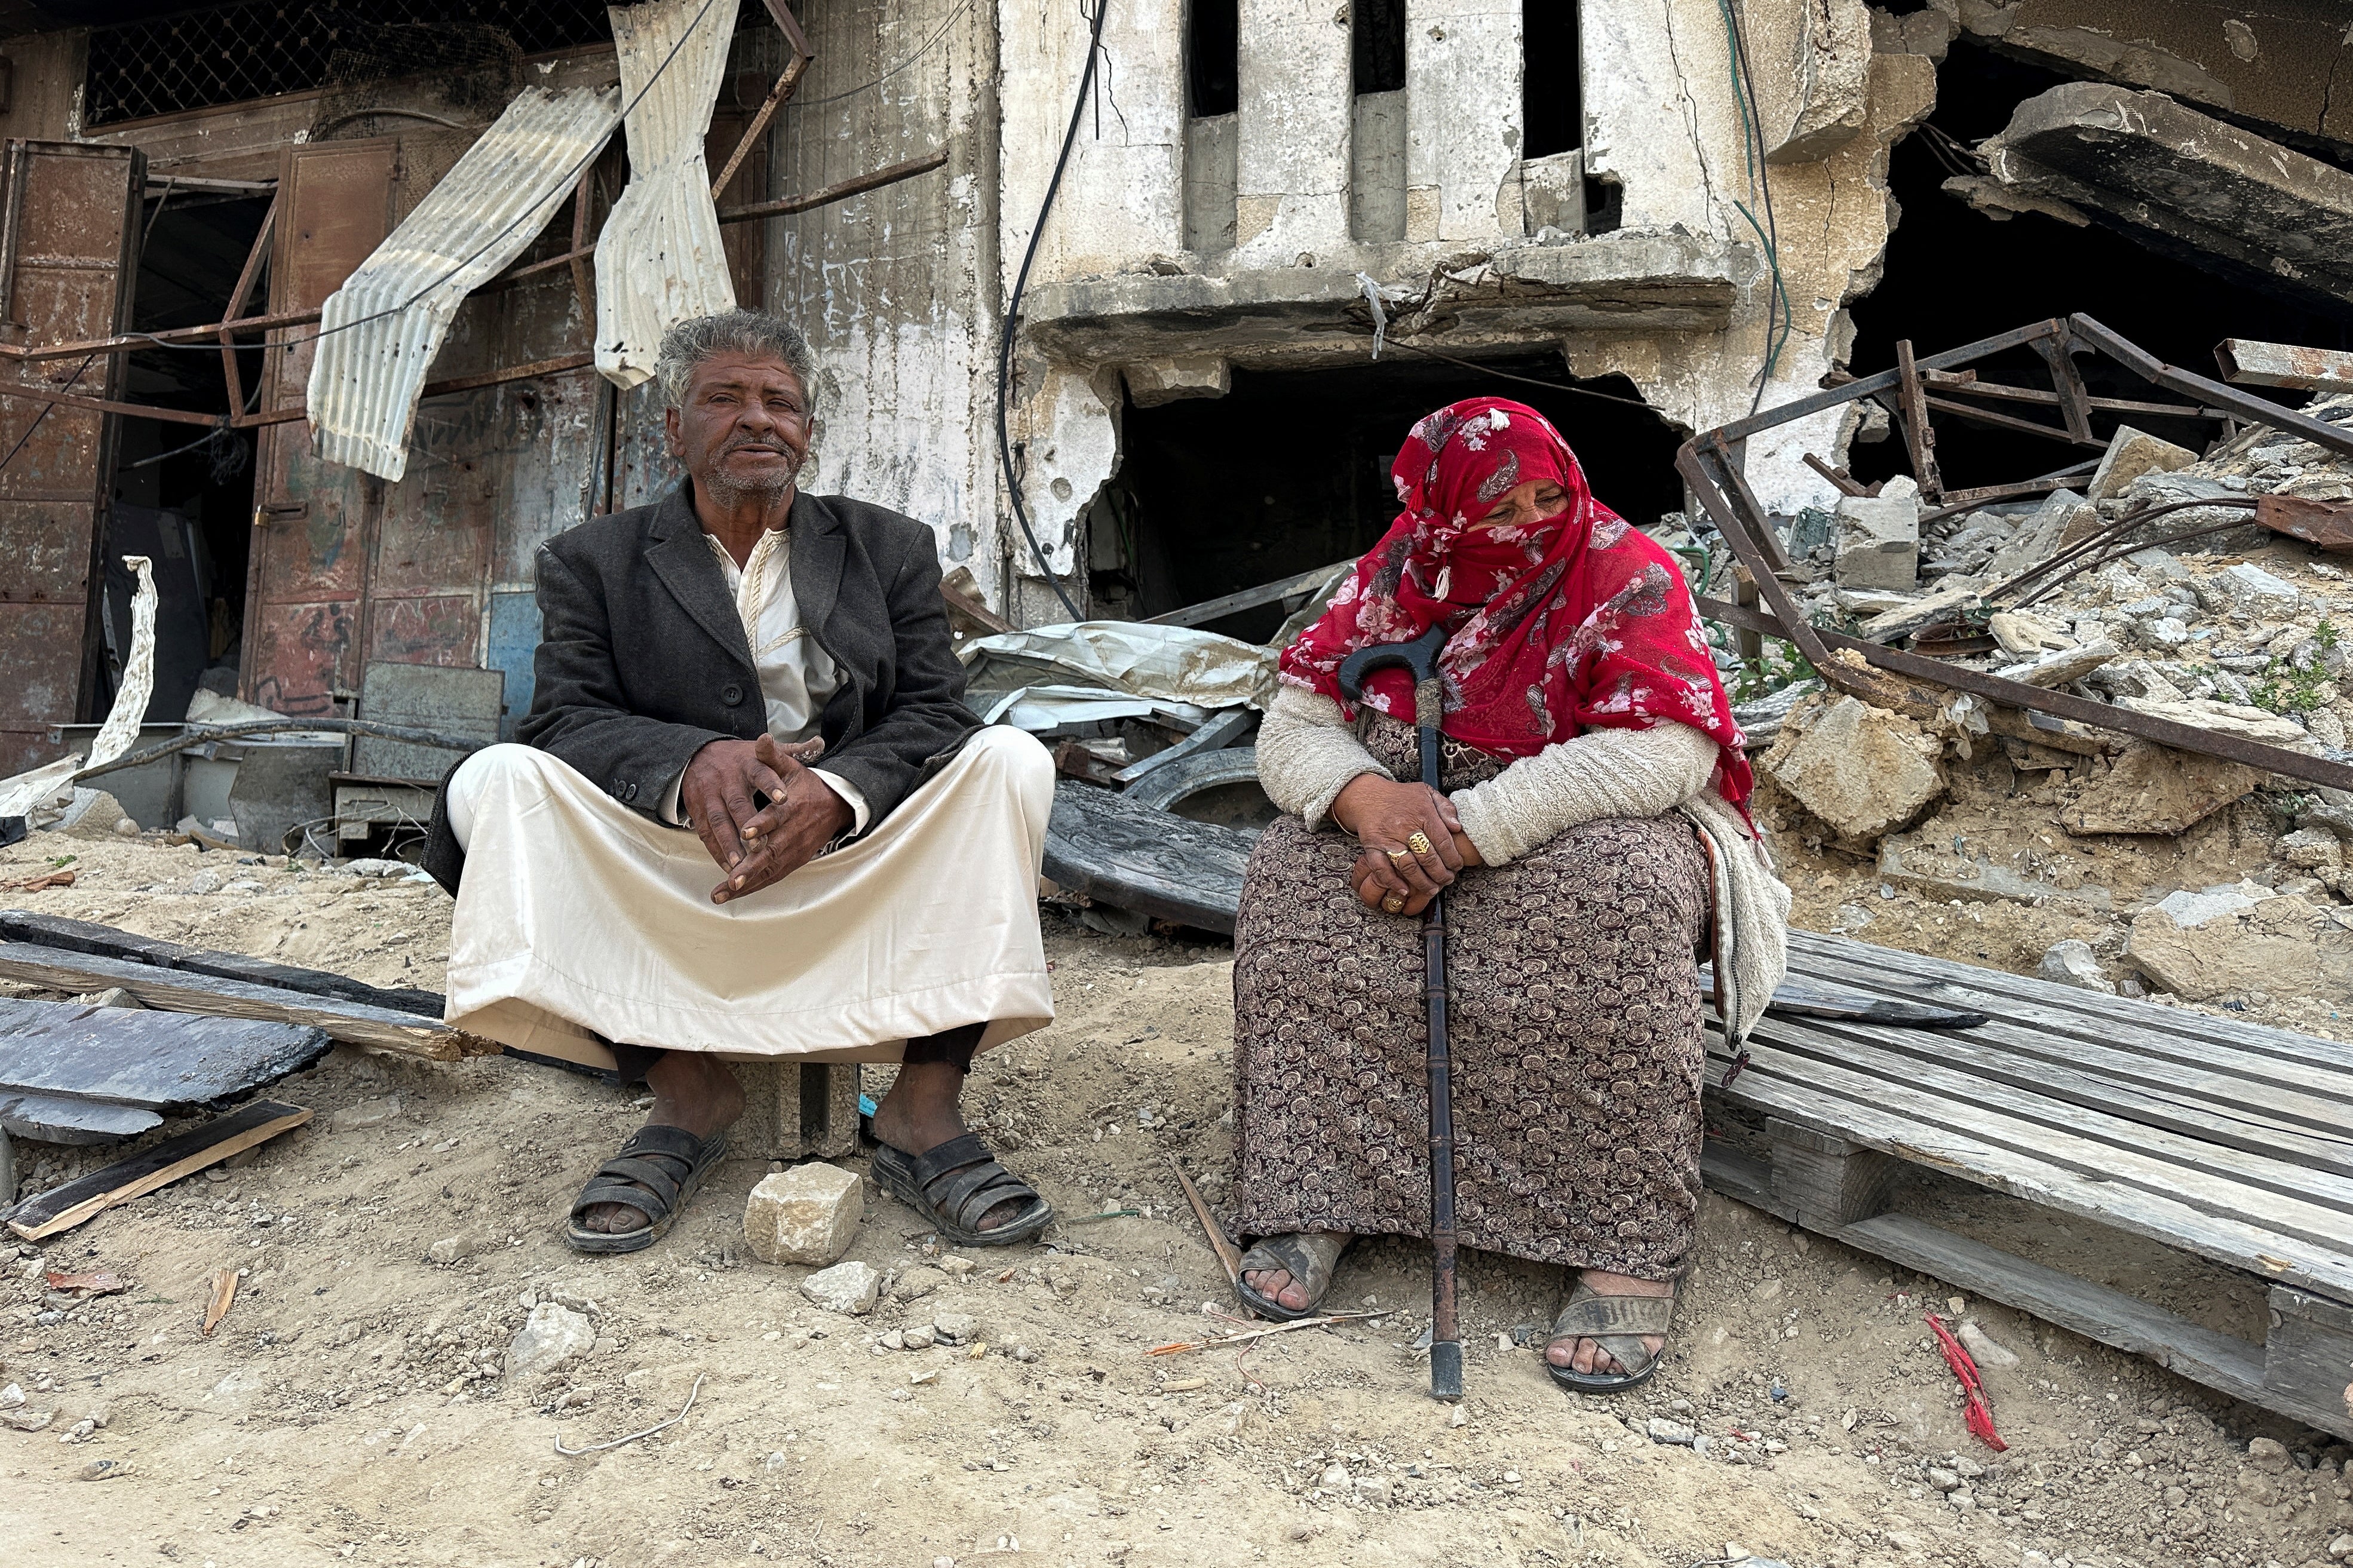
(2159, 872)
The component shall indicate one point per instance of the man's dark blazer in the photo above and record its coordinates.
(642, 659)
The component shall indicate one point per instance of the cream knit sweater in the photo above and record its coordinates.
(1307, 753)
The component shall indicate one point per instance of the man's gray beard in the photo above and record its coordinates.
(728, 493)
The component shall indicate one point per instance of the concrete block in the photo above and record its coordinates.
(2282, 945)
(807, 1214)
(1153, 382)
(2061, 669)
(794, 1110)
(1862, 769)
(2038, 538)
(2130, 454)
(2019, 632)
(1878, 541)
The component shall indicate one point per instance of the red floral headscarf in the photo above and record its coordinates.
(1577, 622)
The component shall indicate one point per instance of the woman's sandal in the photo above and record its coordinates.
(1617, 1323)
(1308, 1257)
(953, 1187)
(655, 1173)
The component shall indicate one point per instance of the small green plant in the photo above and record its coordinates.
(2282, 688)
(1776, 667)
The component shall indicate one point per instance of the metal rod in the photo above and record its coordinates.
(786, 82)
(787, 205)
(262, 240)
(134, 341)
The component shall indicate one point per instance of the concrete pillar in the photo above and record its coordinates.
(1292, 166)
(1463, 119)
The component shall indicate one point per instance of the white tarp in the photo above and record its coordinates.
(659, 261)
(380, 330)
(1176, 663)
(1040, 708)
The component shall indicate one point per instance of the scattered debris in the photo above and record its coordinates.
(1981, 1411)
(224, 1293)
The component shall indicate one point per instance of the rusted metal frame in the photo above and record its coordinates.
(786, 83)
(133, 343)
(106, 406)
(1886, 380)
(1705, 467)
(1843, 480)
(889, 175)
(2006, 422)
(2241, 404)
(432, 389)
(1919, 435)
(1958, 502)
(2057, 704)
(2073, 398)
(790, 26)
(1971, 386)
(262, 241)
(12, 222)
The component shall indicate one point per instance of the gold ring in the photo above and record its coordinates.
(1398, 854)
(1393, 903)
(1419, 843)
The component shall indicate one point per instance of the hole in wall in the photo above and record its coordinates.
(1213, 38)
(1953, 275)
(1290, 472)
(1376, 46)
(1551, 98)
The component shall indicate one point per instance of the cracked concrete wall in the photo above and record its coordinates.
(2289, 62)
(896, 290)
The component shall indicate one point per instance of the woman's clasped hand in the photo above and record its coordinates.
(1413, 842)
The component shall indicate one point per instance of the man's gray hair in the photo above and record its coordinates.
(755, 334)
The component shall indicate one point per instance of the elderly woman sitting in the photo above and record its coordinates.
(1593, 838)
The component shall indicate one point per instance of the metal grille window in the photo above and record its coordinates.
(237, 53)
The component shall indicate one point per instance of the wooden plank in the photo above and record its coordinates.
(2308, 1351)
(2225, 1044)
(176, 991)
(2066, 1142)
(1153, 862)
(62, 1208)
(1209, 610)
(131, 1056)
(111, 942)
(2229, 1365)
(2240, 1243)
(1978, 1101)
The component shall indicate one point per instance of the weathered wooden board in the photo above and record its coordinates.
(177, 991)
(111, 941)
(1153, 862)
(62, 1208)
(131, 1056)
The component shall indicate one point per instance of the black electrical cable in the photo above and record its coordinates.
(1411, 347)
(44, 414)
(1013, 313)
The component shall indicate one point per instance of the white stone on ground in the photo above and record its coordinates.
(848, 1288)
(553, 1335)
(2071, 963)
(807, 1214)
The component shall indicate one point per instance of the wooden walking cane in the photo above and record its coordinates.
(1420, 657)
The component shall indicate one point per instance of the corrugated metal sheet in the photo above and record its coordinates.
(660, 258)
(366, 378)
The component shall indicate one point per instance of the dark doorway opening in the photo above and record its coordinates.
(184, 493)
(1290, 472)
(1551, 99)
(1953, 275)
(1213, 42)
(1376, 46)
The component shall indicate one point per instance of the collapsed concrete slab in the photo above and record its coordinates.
(2184, 184)
(2284, 945)
(1862, 769)
(2154, 789)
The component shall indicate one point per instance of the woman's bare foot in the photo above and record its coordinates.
(690, 1090)
(1276, 1285)
(1587, 1356)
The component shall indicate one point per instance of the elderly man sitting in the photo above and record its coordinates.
(697, 655)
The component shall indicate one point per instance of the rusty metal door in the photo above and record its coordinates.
(309, 567)
(68, 257)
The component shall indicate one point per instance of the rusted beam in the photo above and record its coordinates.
(2074, 399)
(1839, 477)
(583, 197)
(106, 406)
(790, 26)
(436, 388)
(262, 239)
(1985, 495)
(786, 83)
(131, 342)
(2005, 422)
(2242, 404)
(789, 206)
(1939, 381)
(1845, 391)
(2253, 363)
(1919, 435)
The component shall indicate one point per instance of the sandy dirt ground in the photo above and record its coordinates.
(353, 1405)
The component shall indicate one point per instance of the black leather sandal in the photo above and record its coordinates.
(953, 1185)
(655, 1172)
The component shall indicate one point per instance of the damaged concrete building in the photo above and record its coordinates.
(1272, 233)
